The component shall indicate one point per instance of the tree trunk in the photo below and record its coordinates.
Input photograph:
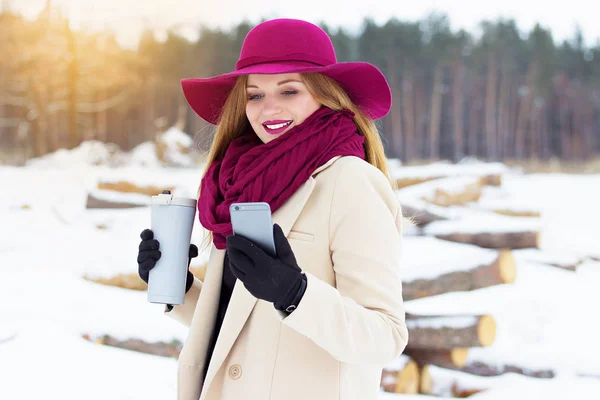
(474, 118)
(420, 114)
(73, 67)
(409, 114)
(490, 108)
(503, 114)
(394, 133)
(524, 112)
(39, 137)
(433, 147)
(458, 110)
(449, 332)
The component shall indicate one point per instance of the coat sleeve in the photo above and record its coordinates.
(362, 319)
(184, 312)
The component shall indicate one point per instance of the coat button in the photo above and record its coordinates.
(235, 371)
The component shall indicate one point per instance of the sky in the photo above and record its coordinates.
(128, 17)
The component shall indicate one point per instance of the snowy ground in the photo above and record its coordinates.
(545, 319)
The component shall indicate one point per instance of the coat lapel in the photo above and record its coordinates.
(242, 302)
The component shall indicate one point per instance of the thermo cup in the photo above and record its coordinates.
(172, 221)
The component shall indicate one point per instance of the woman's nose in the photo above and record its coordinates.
(271, 106)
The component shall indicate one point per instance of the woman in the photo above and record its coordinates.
(321, 319)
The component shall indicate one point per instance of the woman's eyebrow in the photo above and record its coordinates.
(278, 83)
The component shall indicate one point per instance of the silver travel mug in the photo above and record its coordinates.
(172, 221)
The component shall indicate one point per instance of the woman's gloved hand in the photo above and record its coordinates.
(275, 279)
(149, 254)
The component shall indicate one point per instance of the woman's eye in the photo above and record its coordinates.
(252, 97)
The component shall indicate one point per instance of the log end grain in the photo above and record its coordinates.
(507, 266)
(458, 356)
(486, 330)
(425, 382)
(408, 379)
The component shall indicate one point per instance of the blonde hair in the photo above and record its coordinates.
(325, 90)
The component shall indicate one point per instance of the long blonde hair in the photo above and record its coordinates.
(325, 90)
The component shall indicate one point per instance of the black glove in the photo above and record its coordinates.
(278, 280)
(149, 254)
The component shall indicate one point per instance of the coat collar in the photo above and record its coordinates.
(242, 302)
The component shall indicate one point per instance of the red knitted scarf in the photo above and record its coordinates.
(253, 171)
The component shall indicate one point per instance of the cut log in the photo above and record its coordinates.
(94, 202)
(410, 181)
(425, 381)
(157, 348)
(452, 383)
(401, 376)
(445, 192)
(126, 281)
(450, 331)
(468, 193)
(517, 213)
(484, 369)
(421, 212)
(473, 274)
(490, 231)
(491, 173)
(498, 201)
(495, 240)
(557, 259)
(128, 187)
(454, 358)
(134, 282)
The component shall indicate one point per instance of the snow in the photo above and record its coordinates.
(457, 322)
(91, 152)
(177, 144)
(497, 198)
(474, 223)
(398, 364)
(443, 169)
(428, 257)
(548, 256)
(544, 320)
(144, 154)
(427, 190)
(515, 385)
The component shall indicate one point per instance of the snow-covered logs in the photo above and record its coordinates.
(495, 240)
(401, 376)
(435, 267)
(490, 173)
(450, 331)
(449, 358)
(490, 231)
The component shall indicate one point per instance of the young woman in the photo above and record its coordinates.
(320, 320)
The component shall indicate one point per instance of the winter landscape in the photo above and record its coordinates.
(60, 239)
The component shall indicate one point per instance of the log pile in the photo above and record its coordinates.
(489, 173)
(459, 245)
(121, 194)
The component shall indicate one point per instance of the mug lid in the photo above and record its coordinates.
(168, 199)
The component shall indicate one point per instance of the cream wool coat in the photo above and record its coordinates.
(344, 225)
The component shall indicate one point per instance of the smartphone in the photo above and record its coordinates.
(253, 222)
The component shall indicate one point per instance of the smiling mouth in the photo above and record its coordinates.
(276, 128)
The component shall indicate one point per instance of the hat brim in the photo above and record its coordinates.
(365, 84)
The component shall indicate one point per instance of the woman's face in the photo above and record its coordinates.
(276, 103)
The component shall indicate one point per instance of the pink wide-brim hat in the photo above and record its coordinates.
(286, 45)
